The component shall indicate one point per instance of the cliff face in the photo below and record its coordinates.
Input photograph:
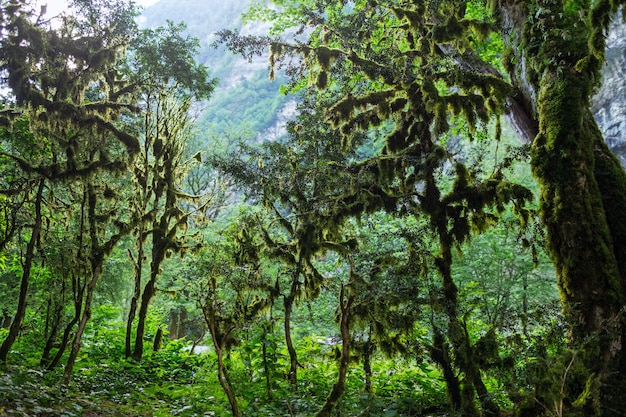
(609, 104)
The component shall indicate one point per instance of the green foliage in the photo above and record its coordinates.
(386, 222)
(164, 56)
(252, 103)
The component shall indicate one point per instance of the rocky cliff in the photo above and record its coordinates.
(609, 105)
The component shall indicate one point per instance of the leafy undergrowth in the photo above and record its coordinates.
(172, 382)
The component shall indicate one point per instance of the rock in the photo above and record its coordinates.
(609, 103)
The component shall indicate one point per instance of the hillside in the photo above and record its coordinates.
(245, 102)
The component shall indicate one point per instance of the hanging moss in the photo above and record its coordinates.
(322, 80)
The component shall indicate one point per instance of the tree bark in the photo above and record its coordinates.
(288, 300)
(14, 330)
(148, 293)
(345, 303)
(86, 315)
(582, 191)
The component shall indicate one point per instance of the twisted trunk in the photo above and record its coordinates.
(219, 338)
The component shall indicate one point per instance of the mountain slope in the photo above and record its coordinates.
(245, 99)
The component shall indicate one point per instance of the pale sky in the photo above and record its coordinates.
(57, 6)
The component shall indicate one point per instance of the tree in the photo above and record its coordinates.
(54, 106)
(420, 68)
(161, 62)
(294, 180)
(74, 99)
(231, 290)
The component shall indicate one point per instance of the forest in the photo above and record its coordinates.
(437, 229)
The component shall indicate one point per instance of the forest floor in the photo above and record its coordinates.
(173, 382)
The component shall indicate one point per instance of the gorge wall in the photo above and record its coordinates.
(609, 103)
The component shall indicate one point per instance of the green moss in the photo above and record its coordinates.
(579, 240)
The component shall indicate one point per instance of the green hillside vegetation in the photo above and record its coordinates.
(436, 231)
(246, 98)
(252, 104)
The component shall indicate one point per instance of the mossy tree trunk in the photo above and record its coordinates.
(134, 301)
(582, 189)
(580, 238)
(101, 243)
(288, 301)
(163, 170)
(345, 303)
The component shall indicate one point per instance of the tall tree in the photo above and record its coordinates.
(583, 186)
(421, 68)
(162, 62)
(63, 83)
(295, 181)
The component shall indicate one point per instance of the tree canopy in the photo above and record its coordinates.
(394, 231)
(427, 69)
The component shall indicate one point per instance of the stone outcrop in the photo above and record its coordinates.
(609, 103)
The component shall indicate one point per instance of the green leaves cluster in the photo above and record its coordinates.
(79, 90)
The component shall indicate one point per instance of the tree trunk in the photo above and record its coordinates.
(222, 374)
(160, 244)
(148, 293)
(219, 343)
(293, 355)
(64, 341)
(86, 315)
(138, 264)
(440, 354)
(97, 254)
(129, 324)
(340, 386)
(53, 330)
(583, 192)
(457, 333)
(580, 240)
(14, 330)
(158, 340)
(79, 290)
